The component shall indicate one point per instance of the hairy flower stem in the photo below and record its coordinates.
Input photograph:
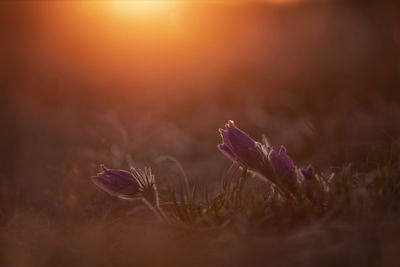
(242, 181)
(284, 192)
(278, 186)
(157, 211)
(163, 215)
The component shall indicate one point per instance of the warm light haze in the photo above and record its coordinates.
(200, 133)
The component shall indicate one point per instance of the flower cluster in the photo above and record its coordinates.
(274, 164)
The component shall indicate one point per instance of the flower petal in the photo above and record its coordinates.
(116, 182)
(307, 172)
(284, 168)
(227, 152)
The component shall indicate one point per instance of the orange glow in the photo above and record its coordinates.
(160, 44)
(284, 2)
(140, 9)
(147, 7)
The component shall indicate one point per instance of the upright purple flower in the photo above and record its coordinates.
(283, 167)
(312, 186)
(118, 183)
(241, 149)
(274, 164)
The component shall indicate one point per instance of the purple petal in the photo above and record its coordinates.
(280, 161)
(116, 172)
(227, 152)
(283, 167)
(307, 172)
(238, 136)
(241, 148)
(225, 138)
(116, 182)
(285, 160)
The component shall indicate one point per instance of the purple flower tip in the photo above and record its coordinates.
(222, 131)
(230, 124)
(281, 163)
(307, 172)
(240, 147)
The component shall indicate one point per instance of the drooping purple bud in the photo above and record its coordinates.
(241, 148)
(118, 183)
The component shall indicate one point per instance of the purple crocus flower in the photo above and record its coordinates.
(241, 148)
(118, 183)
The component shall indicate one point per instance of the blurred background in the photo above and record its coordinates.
(126, 82)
